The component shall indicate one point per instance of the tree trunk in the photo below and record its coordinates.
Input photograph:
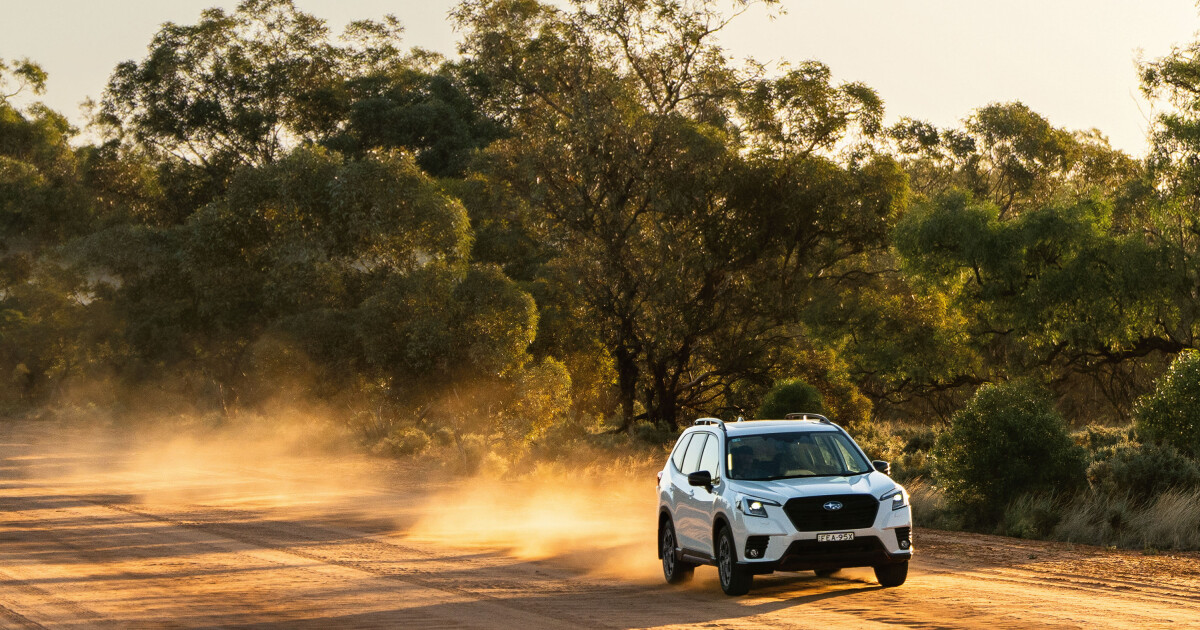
(627, 377)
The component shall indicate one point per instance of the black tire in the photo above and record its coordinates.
(676, 571)
(825, 572)
(735, 579)
(892, 574)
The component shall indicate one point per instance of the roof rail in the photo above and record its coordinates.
(807, 416)
(715, 421)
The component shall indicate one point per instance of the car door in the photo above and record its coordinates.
(676, 486)
(702, 501)
(687, 516)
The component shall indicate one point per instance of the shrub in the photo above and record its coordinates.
(791, 396)
(443, 436)
(403, 441)
(1143, 470)
(1008, 440)
(878, 441)
(1098, 439)
(1031, 516)
(1171, 413)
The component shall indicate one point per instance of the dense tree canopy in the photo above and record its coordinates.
(593, 217)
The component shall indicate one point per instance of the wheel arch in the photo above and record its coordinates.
(720, 521)
(664, 515)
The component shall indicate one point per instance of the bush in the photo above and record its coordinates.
(443, 436)
(1143, 471)
(1031, 516)
(791, 396)
(878, 441)
(1099, 439)
(1171, 414)
(1007, 441)
(402, 442)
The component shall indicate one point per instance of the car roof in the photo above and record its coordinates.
(753, 427)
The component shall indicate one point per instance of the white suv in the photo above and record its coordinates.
(779, 495)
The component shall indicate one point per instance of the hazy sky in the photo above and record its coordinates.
(1071, 60)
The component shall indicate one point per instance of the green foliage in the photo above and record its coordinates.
(1100, 440)
(1170, 414)
(16, 76)
(429, 112)
(1007, 441)
(1143, 471)
(542, 400)
(229, 89)
(742, 217)
(790, 396)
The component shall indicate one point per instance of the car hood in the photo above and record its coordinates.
(873, 483)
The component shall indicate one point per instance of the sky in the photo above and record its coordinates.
(1073, 61)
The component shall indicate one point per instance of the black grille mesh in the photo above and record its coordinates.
(808, 514)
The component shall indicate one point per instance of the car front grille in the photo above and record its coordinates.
(808, 514)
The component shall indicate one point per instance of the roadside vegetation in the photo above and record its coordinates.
(593, 226)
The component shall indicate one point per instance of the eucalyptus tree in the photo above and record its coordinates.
(362, 265)
(681, 208)
(242, 88)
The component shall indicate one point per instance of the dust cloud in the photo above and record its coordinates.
(295, 466)
(600, 520)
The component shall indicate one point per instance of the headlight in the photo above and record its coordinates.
(751, 506)
(898, 498)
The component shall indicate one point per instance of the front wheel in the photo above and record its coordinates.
(892, 574)
(735, 579)
(674, 570)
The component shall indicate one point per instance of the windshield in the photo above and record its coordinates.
(784, 455)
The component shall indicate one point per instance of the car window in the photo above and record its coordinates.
(709, 458)
(680, 449)
(691, 461)
(798, 454)
(842, 448)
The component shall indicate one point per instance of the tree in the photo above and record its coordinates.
(16, 76)
(362, 264)
(687, 255)
(1053, 290)
(430, 111)
(1012, 156)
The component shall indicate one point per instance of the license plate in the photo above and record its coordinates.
(835, 537)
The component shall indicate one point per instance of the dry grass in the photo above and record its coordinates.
(929, 506)
(1169, 521)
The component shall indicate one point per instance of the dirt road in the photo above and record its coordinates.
(92, 535)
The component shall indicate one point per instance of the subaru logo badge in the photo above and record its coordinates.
(832, 505)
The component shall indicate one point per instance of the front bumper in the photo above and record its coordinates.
(776, 545)
(807, 555)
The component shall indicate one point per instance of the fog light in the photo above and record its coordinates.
(756, 547)
(904, 544)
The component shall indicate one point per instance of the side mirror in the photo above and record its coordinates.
(882, 466)
(700, 478)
